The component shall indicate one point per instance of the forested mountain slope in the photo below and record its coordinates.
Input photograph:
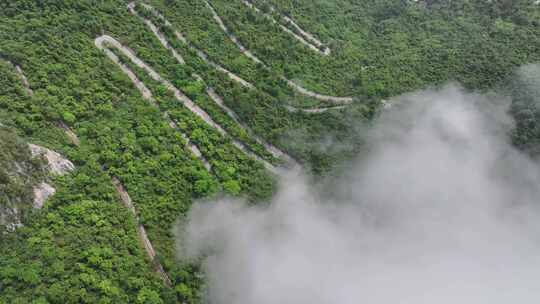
(162, 102)
(20, 173)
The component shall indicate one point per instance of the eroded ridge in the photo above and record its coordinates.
(22, 76)
(141, 231)
(24, 80)
(73, 138)
(292, 84)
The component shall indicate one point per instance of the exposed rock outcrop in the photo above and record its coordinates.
(41, 193)
(24, 183)
(57, 165)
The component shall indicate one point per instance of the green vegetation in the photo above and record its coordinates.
(524, 89)
(385, 47)
(82, 247)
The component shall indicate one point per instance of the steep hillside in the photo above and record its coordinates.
(160, 103)
(20, 174)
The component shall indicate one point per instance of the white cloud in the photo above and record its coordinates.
(441, 209)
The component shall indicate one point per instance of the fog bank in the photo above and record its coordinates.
(441, 209)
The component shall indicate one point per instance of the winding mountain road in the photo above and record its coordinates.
(313, 43)
(340, 101)
(292, 84)
(104, 42)
(213, 95)
(276, 152)
(145, 92)
(165, 43)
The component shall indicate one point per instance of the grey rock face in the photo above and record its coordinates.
(57, 163)
(41, 193)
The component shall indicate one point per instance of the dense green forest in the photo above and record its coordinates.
(83, 246)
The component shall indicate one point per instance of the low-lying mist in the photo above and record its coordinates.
(440, 209)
